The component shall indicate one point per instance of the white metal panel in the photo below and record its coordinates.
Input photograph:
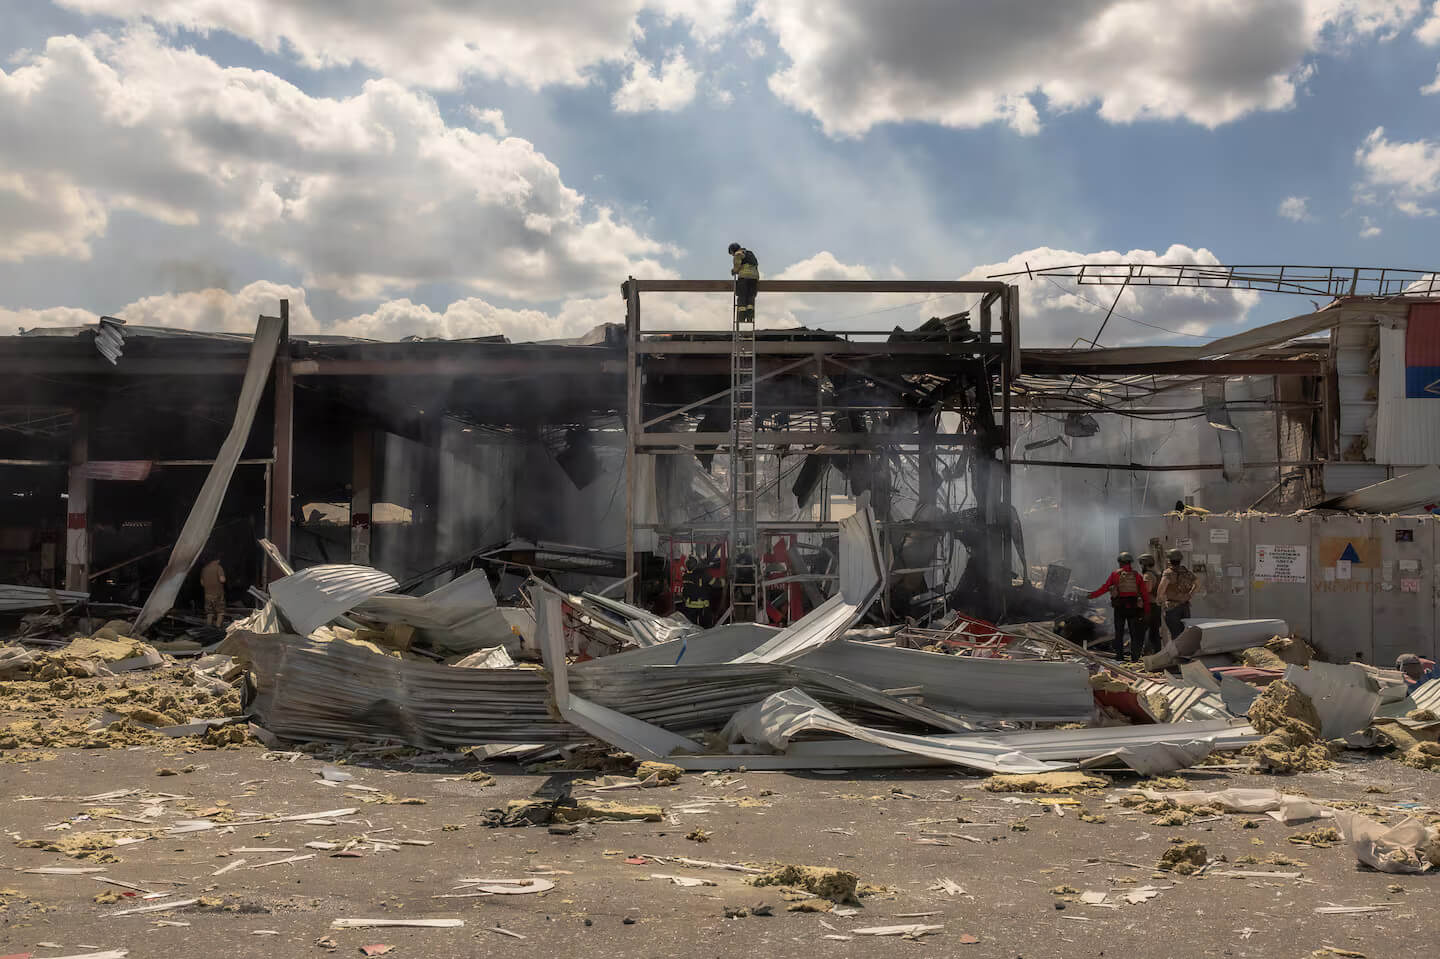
(1407, 431)
(1220, 554)
(1348, 477)
(1282, 600)
(1413, 493)
(1344, 568)
(1404, 601)
(312, 597)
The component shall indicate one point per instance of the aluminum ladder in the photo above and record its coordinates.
(744, 537)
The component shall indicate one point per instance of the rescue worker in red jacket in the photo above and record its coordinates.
(1130, 598)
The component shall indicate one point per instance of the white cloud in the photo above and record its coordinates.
(1295, 208)
(1428, 32)
(856, 63)
(366, 195)
(217, 311)
(1058, 312)
(646, 88)
(434, 43)
(1408, 172)
(220, 310)
(1368, 229)
(46, 215)
(494, 119)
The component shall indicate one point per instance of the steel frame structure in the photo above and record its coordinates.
(651, 430)
(1327, 281)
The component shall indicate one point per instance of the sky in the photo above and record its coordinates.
(464, 168)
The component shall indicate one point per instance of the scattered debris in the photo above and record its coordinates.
(913, 931)
(1057, 782)
(1183, 858)
(837, 885)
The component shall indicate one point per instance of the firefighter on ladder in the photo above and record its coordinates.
(746, 270)
(1131, 601)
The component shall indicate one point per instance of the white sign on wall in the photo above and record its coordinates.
(1281, 564)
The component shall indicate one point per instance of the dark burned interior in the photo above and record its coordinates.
(421, 456)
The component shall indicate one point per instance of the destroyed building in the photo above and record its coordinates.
(997, 473)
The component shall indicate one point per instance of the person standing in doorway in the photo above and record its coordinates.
(746, 270)
(212, 581)
(1177, 585)
(1131, 603)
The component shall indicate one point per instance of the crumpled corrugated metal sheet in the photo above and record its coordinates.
(459, 617)
(312, 597)
(35, 597)
(779, 718)
(1345, 697)
(1020, 690)
(338, 691)
(649, 629)
(775, 722)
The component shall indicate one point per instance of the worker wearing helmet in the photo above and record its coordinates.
(1131, 601)
(746, 270)
(1177, 585)
(695, 594)
(1152, 615)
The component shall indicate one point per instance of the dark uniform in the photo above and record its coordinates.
(696, 589)
(746, 270)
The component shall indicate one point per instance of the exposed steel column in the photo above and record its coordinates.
(280, 475)
(77, 508)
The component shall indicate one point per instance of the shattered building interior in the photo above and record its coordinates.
(997, 474)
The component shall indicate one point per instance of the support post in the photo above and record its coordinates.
(77, 508)
(361, 482)
(280, 475)
(632, 426)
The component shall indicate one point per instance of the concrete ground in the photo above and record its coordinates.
(898, 831)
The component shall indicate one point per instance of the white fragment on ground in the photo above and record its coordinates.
(396, 923)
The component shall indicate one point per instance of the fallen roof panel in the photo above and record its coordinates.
(312, 597)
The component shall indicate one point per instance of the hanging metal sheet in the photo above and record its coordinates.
(1232, 446)
(196, 531)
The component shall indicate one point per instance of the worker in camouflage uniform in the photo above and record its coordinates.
(1177, 585)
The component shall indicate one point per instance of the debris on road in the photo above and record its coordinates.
(836, 885)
